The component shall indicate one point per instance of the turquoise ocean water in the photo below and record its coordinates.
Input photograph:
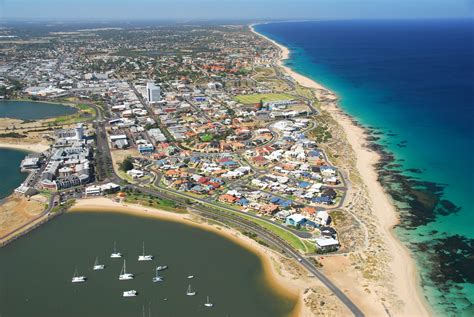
(411, 83)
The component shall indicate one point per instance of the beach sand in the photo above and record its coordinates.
(287, 278)
(23, 146)
(404, 279)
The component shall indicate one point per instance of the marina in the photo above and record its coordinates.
(103, 294)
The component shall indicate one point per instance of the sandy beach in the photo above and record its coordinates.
(283, 275)
(403, 273)
(29, 147)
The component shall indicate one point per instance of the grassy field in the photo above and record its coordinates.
(255, 98)
(85, 113)
(286, 235)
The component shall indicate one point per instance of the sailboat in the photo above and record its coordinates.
(161, 267)
(189, 291)
(157, 278)
(97, 266)
(123, 273)
(144, 257)
(115, 254)
(208, 303)
(77, 278)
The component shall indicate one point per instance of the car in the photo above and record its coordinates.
(299, 259)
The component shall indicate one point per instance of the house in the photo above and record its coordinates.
(296, 220)
(322, 200)
(328, 171)
(329, 192)
(326, 244)
(259, 161)
(269, 209)
(322, 217)
(308, 211)
(136, 173)
(226, 198)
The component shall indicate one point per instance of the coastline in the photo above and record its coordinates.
(22, 146)
(406, 279)
(285, 286)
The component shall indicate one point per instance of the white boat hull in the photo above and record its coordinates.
(191, 293)
(116, 255)
(131, 293)
(125, 277)
(79, 279)
(145, 258)
(98, 267)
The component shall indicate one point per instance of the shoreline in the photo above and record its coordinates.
(25, 147)
(403, 267)
(282, 286)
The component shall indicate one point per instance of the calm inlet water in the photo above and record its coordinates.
(28, 110)
(412, 84)
(36, 271)
(10, 171)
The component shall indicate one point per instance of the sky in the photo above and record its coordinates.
(232, 9)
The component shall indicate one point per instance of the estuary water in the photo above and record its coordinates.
(29, 110)
(36, 271)
(411, 83)
(10, 171)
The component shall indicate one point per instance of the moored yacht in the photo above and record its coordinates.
(130, 293)
(190, 276)
(98, 266)
(157, 278)
(208, 303)
(190, 292)
(161, 267)
(144, 257)
(115, 254)
(123, 273)
(78, 278)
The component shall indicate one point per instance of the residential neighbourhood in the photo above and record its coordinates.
(215, 124)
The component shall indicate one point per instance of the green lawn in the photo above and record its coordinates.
(255, 98)
(286, 235)
(207, 137)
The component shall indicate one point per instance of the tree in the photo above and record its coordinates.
(126, 164)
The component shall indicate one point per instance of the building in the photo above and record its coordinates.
(296, 220)
(153, 93)
(102, 189)
(79, 132)
(326, 244)
(146, 148)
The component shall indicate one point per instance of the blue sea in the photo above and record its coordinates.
(411, 83)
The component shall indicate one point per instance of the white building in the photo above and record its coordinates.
(153, 93)
(79, 131)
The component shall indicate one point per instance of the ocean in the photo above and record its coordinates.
(411, 83)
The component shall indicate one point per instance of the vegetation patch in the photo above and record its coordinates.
(257, 98)
(12, 135)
